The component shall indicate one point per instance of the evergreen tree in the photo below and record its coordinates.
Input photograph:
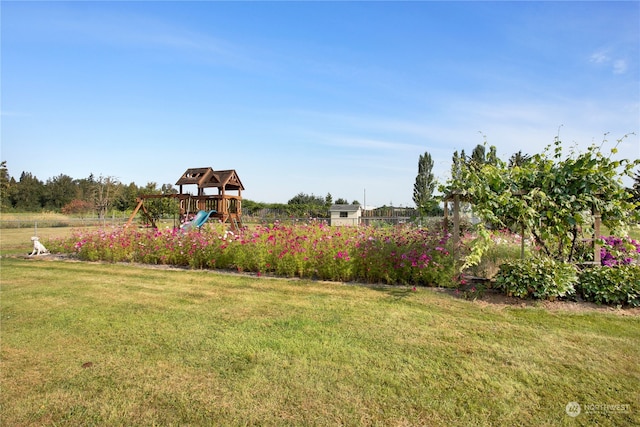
(305, 205)
(478, 154)
(86, 189)
(28, 194)
(480, 157)
(127, 197)
(519, 159)
(306, 199)
(59, 192)
(424, 186)
(457, 162)
(492, 156)
(5, 183)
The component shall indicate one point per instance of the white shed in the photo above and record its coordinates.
(348, 215)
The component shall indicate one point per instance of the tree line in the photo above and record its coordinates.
(104, 194)
(65, 194)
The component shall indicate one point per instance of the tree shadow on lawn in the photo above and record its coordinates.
(482, 295)
(396, 292)
(493, 297)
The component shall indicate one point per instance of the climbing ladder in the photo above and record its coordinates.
(236, 223)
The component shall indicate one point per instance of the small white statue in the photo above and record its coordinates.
(38, 248)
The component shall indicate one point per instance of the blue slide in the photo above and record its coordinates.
(199, 220)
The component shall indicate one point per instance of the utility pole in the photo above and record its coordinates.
(364, 207)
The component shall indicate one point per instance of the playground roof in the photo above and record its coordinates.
(208, 178)
(196, 176)
(227, 179)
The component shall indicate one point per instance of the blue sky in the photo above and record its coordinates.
(313, 97)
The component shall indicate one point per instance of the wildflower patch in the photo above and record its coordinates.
(399, 255)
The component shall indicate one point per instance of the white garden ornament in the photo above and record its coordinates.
(38, 248)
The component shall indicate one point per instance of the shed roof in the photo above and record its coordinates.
(344, 208)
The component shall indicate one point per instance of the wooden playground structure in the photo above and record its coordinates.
(223, 206)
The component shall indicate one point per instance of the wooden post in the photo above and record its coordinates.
(445, 223)
(522, 243)
(456, 222)
(521, 194)
(596, 236)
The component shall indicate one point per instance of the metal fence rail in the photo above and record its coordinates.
(61, 222)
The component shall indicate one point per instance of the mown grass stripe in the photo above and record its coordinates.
(192, 347)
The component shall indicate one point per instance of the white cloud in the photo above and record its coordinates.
(5, 113)
(619, 66)
(603, 58)
(369, 143)
(599, 57)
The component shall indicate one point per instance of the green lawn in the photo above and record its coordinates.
(104, 344)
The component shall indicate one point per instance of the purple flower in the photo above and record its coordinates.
(616, 250)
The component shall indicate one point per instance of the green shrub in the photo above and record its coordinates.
(537, 277)
(489, 249)
(619, 285)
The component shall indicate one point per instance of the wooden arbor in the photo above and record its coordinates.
(458, 197)
(227, 206)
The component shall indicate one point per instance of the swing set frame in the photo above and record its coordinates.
(227, 206)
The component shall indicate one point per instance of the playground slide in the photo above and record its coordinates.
(199, 220)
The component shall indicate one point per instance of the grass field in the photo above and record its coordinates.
(112, 344)
(103, 344)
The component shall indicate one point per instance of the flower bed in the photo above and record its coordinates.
(398, 255)
(619, 251)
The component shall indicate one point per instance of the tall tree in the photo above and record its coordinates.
(156, 208)
(5, 182)
(424, 186)
(457, 162)
(59, 191)
(518, 159)
(307, 205)
(86, 189)
(28, 194)
(107, 189)
(328, 200)
(127, 198)
(306, 199)
(478, 154)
